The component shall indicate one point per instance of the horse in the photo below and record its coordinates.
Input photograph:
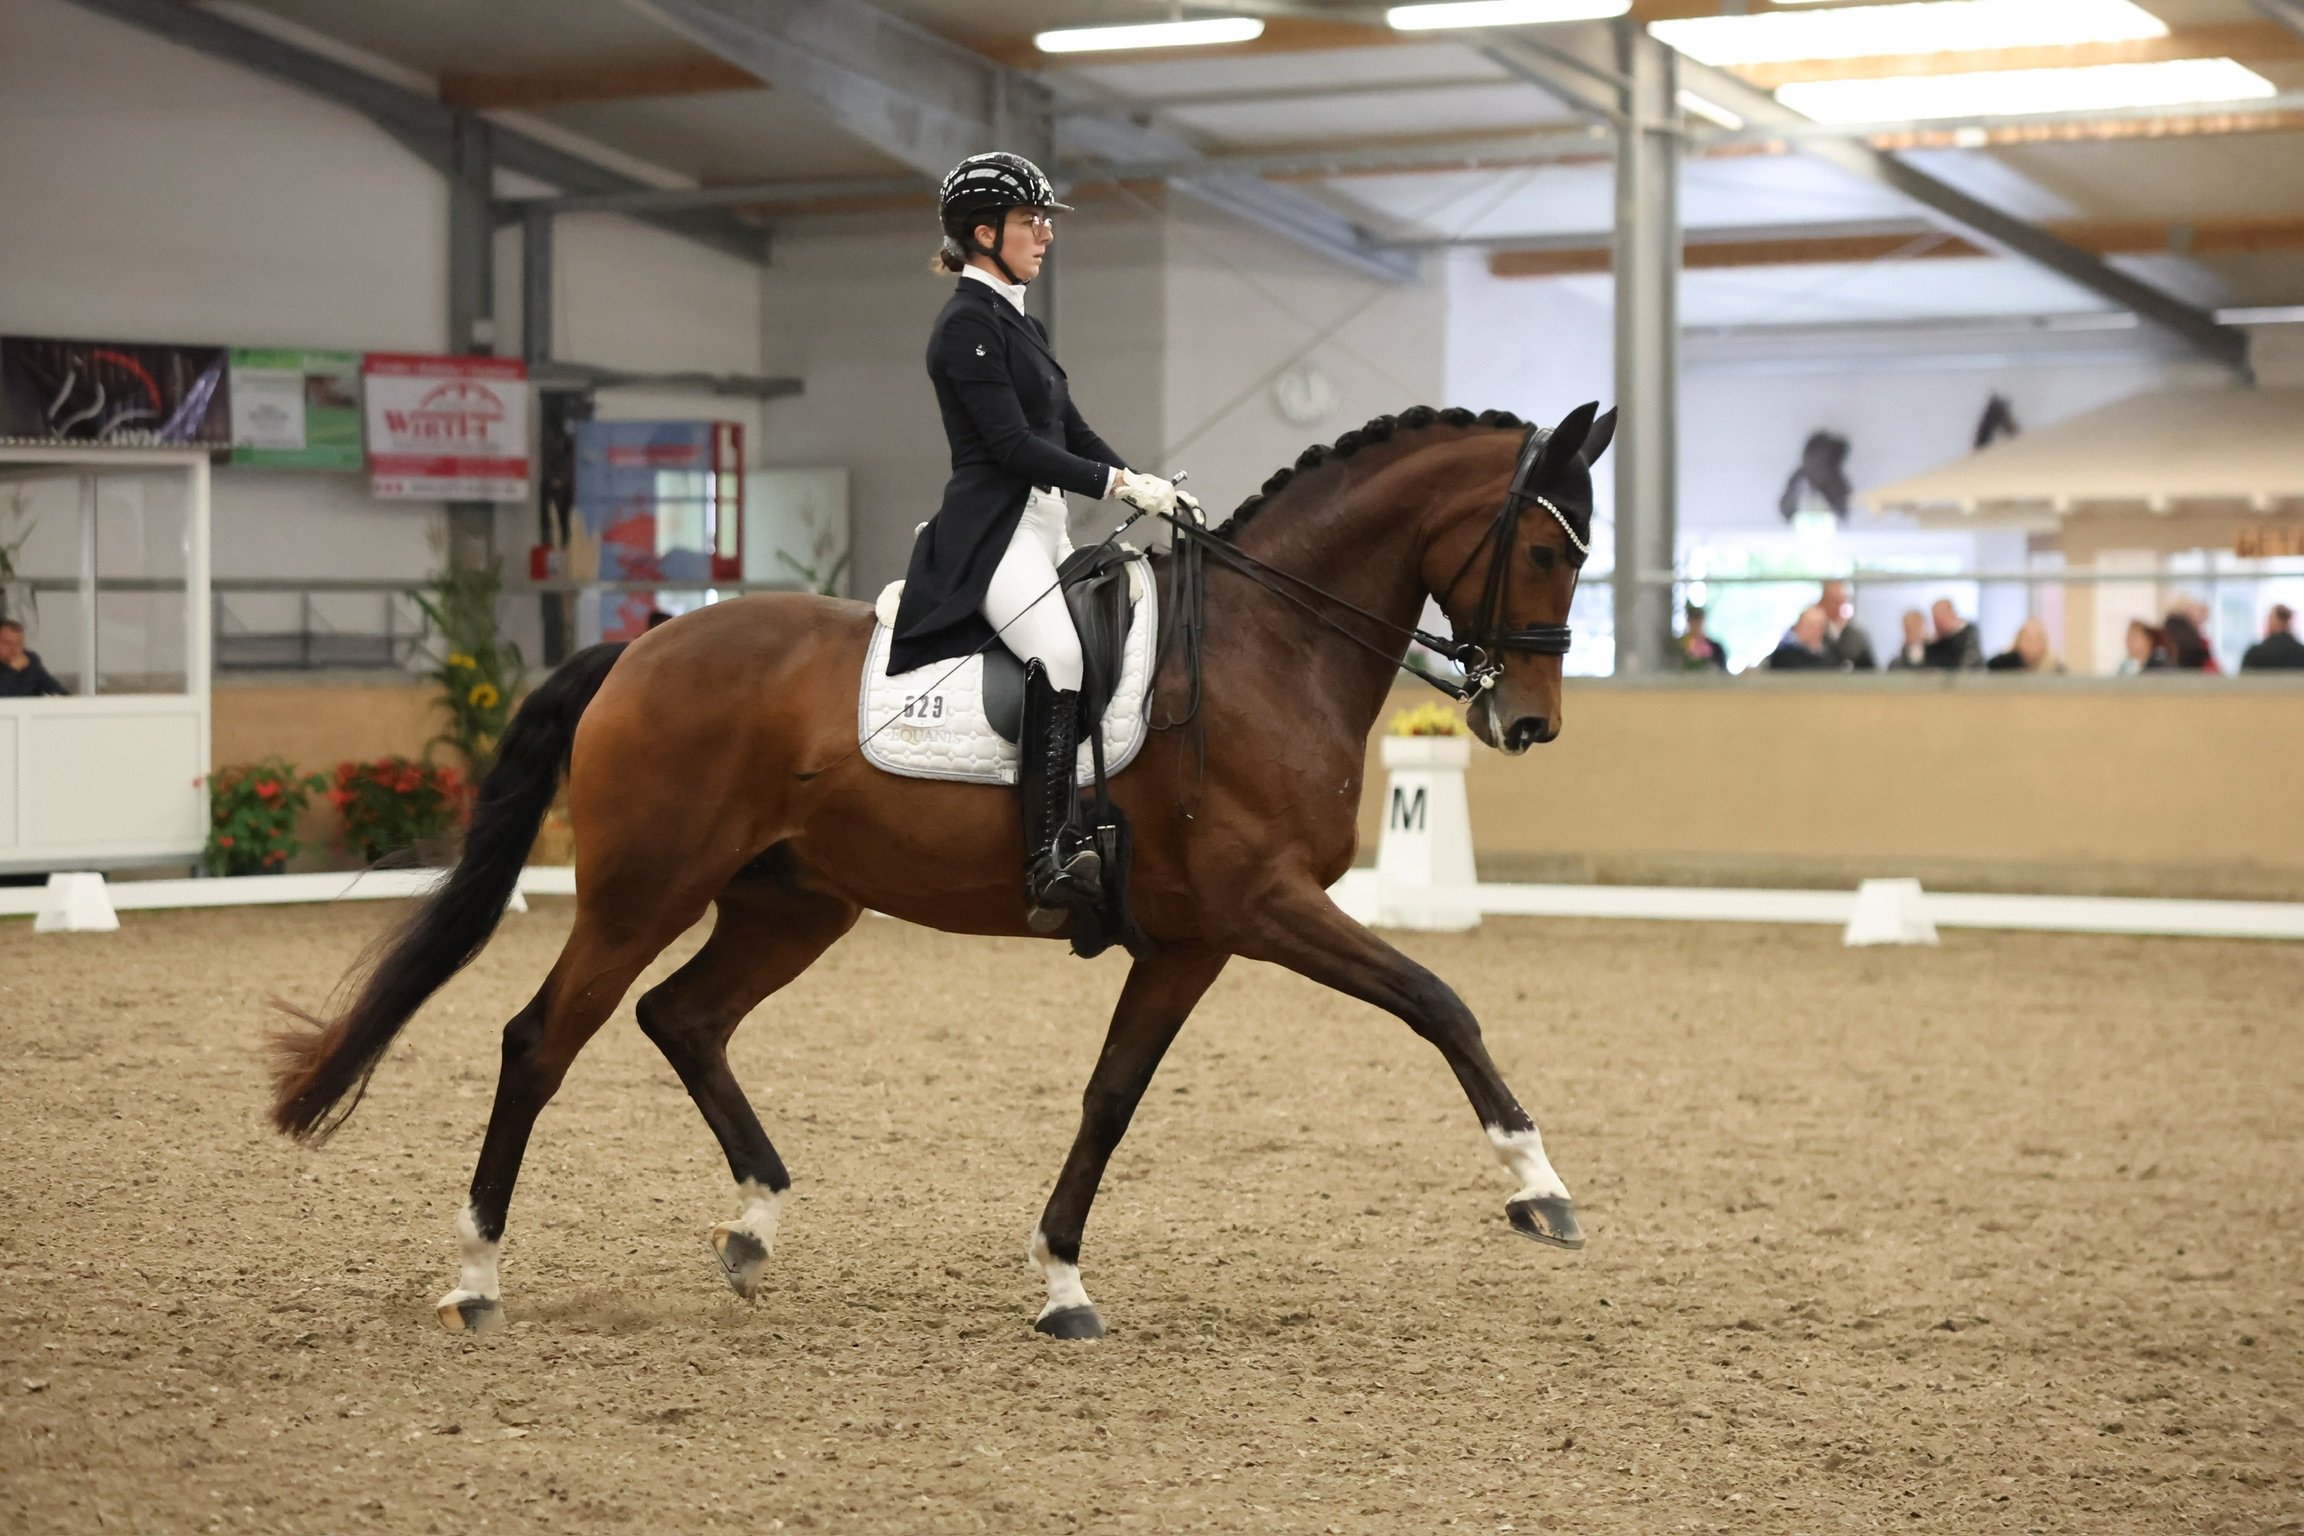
(713, 764)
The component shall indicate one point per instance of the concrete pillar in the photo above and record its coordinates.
(1647, 260)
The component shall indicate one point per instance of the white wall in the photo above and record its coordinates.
(149, 192)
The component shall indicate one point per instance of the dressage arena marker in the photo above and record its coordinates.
(1889, 912)
(1357, 893)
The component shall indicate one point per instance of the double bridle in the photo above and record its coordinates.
(1481, 656)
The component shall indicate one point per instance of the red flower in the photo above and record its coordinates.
(223, 840)
(268, 789)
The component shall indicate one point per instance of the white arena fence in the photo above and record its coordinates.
(86, 900)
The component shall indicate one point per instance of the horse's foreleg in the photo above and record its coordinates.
(766, 934)
(1300, 928)
(586, 984)
(1159, 995)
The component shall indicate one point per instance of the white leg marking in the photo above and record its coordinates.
(477, 1280)
(478, 1277)
(760, 1207)
(1064, 1288)
(1522, 1154)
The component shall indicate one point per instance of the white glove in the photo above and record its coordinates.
(1190, 506)
(1146, 493)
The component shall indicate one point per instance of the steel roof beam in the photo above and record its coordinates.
(1989, 226)
(426, 126)
(2289, 13)
(927, 103)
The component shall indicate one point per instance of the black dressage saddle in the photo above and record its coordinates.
(1096, 590)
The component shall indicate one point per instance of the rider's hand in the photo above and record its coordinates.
(1189, 504)
(1146, 493)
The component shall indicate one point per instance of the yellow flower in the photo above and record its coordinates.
(459, 659)
(1426, 720)
(482, 696)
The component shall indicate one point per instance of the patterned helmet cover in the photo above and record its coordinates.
(990, 183)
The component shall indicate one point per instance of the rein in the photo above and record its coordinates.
(1480, 656)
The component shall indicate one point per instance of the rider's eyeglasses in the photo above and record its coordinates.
(1038, 220)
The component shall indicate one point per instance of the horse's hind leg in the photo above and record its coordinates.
(1300, 928)
(595, 968)
(767, 933)
(1159, 996)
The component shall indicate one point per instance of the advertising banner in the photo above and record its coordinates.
(296, 410)
(659, 501)
(121, 394)
(446, 428)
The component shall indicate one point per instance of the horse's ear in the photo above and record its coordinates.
(1602, 434)
(1561, 448)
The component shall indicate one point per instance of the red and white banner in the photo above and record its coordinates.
(446, 428)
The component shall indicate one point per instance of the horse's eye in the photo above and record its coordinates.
(1544, 556)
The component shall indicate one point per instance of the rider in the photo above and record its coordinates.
(986, 562)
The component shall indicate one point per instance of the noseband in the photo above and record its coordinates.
(1480, 656)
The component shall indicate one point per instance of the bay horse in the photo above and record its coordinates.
(714, 763)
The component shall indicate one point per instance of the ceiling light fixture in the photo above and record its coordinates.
(2016, 92)
(1711, 111)
(1151, 34)
(1929, 26)
(1499, 13)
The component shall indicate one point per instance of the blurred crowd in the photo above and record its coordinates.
(1826, 638)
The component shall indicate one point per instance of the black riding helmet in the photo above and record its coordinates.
(992, 184)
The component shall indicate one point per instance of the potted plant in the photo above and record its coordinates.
(252, 814)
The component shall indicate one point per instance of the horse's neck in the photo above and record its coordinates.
(1360, 546)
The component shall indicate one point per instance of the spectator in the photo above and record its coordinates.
(1844, 639)
(1699, 652)
(1803, 649)
(1913, 654)
(21, 674)
(2187, 647)
(2147, 649)
(1955, 647)
(2028, 652)
(2279, 650)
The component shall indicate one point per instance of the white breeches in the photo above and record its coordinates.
(1023, 604)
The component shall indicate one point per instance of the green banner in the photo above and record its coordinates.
(296, 410)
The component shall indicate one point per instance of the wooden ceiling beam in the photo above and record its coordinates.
(2259, 41)
(686, 74)
(2206, 237)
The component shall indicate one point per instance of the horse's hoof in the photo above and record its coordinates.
(475, 1315)
(1548, 1219)
(742, 1256)
(1071, 1323)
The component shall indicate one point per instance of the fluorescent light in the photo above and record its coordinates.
(1931, 26)
(2013, 92)
(1711, 111)
(1500, 13)
(1152, 34)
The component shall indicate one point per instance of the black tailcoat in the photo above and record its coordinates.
(1009, 417)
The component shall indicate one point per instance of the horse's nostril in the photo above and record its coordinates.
(1527, 731)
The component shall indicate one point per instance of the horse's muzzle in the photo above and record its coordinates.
(1529, 731)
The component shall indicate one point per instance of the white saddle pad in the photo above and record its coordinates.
(930, 724)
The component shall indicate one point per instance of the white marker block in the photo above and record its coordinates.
(1889, 912)
(1424, 872)
(76, 903)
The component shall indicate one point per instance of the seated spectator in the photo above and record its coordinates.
(1698, 651)
(1913, 653)
(1955, 646)
(2147, 649)
(2187, 646)
(1803, 649)
(2195, 613)
(21, 674)
(2028, 652)
(2279, 650)
(1845, 640)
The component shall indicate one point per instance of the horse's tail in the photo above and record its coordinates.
(315, 1068)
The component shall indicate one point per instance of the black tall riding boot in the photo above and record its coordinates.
(1061, 868)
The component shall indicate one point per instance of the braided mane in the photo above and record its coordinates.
(1379, 430)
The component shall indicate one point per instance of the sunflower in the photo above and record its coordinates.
(483, 696)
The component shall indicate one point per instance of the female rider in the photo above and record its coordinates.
(985, 564)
